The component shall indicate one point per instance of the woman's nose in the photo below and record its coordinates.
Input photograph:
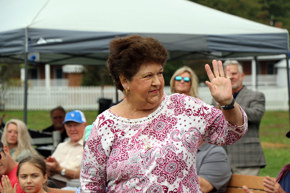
(156, 80)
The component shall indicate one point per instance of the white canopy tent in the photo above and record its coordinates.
(57, 29)
(73, 31)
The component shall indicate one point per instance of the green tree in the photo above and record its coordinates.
(269, 12)
(9, 76)
(96, 76)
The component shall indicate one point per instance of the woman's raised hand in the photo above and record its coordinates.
(219, 83)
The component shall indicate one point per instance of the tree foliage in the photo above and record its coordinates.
(269, 12)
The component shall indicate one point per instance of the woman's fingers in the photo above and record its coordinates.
(269, 184)
(221, 69)
(215, 68)
(209, 72)
(217, 71)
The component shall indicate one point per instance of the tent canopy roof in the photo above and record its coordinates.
(59, 30)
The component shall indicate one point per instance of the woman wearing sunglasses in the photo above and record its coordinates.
(184, 81)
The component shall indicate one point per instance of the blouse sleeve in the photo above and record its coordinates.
(221, 132)
(93, 172)
(213, 126)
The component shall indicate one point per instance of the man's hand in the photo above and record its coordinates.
(205, 185)
(53, 166)
(245, 188)
(7, 187)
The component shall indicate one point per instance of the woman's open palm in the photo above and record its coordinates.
(219, 83)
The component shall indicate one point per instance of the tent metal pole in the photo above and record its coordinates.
(288, 83)
(257, 72)
(25, 88)
(25, 77)
(254, 74)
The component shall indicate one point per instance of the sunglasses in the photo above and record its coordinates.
(179, 78)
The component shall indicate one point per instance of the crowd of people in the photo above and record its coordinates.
(149, 141)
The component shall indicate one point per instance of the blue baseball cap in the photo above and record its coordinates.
(75, 116)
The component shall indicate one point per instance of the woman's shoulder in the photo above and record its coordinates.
(177, 98)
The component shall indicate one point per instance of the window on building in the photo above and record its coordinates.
(58, 73)
(33, 73)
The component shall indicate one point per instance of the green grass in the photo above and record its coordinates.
(273, 128)
(39, 120)
(276, 146)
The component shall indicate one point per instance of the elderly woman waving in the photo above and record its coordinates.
(148, 142)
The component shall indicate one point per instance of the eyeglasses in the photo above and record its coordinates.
(179, 78)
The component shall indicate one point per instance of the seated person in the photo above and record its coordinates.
(279, 185)
(16, 137)
(65, 162)
(8, 167)
(282, 183)
(212, 168)
(57, 117)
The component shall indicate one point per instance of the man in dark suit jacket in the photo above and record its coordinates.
(57, 116)
(246, 155)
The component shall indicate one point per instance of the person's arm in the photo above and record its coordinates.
(205, 185)
(54, 168)
(271, 186)
(214, 171)
(221, 90)
(245, 188)
(255, 108)
(93, 176)
(71, 174)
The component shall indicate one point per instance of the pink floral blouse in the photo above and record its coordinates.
(156, 153)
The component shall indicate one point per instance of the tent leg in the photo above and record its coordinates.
(257, 71)
(288, 83)
(254, 74)
(25, 87)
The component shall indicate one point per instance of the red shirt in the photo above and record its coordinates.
(13, 179)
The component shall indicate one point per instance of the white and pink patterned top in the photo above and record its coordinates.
(156, 153)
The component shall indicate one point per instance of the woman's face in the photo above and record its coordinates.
(146, 86)
(12, 134)
(181, 86)
(31, 178)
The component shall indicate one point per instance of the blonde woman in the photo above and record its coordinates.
(18, 140)
(184, 81)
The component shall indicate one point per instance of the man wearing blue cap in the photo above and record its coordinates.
(65, 162)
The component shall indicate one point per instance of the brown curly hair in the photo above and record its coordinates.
(129, 53)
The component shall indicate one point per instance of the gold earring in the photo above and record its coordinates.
(126, 91)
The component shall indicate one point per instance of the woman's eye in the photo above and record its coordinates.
(23, 176)
(35, 175)
(148, 76)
